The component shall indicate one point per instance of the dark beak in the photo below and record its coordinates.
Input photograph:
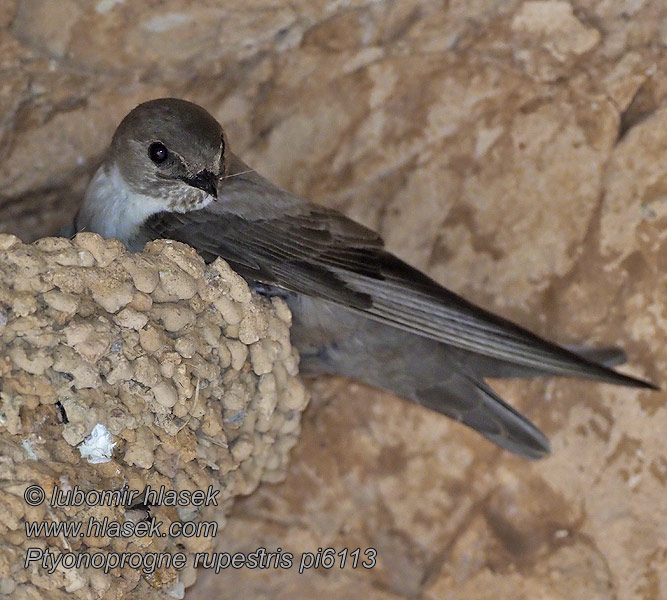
(204, 180)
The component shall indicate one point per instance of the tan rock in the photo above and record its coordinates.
(513, 150)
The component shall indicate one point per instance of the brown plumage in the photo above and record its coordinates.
(358, 310)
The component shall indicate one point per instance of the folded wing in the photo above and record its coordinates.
(312, 250)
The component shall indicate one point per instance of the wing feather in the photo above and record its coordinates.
(312, 250)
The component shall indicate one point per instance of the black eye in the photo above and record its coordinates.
(158, 152)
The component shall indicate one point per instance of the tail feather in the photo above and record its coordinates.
(608, 357)
(474, 403)
(443, 378)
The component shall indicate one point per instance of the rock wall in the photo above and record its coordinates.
(515, 150)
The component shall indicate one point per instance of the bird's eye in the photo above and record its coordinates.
(158, 152)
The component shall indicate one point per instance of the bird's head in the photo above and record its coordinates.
(170, 149)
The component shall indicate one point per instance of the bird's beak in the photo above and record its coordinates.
(204, 180)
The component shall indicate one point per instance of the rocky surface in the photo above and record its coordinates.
(514, 150)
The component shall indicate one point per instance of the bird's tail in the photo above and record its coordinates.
(472, 402)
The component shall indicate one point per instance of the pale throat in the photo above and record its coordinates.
(114, 209)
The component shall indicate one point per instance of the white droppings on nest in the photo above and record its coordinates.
(169, 369)
(98, 446)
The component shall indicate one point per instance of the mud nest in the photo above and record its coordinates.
(120, 371)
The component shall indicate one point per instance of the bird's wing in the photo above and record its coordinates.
(312, 250)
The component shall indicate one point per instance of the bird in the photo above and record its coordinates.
(358, 310)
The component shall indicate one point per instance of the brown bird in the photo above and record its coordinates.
(358, 310)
